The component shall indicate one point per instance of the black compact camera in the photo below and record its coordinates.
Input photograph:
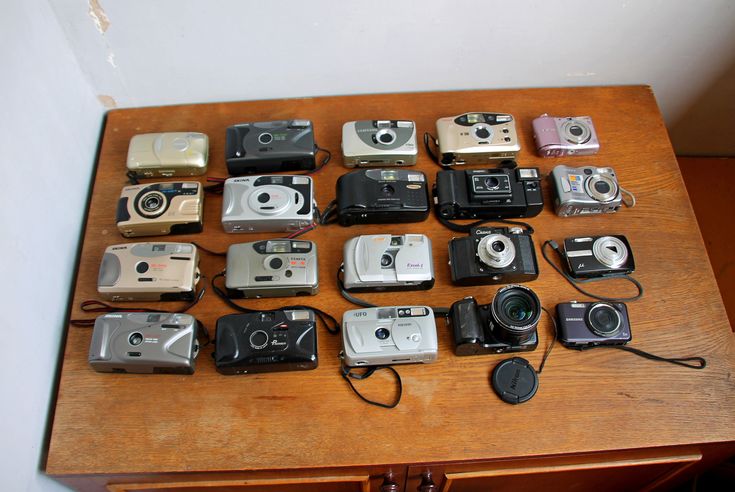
(507, 324)
(493, 255)
(587, 324)
(266, 341)
(598, 256)
(375, 196)
(488, 193)
(270, 146)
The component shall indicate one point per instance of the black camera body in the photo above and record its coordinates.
(598, 256)
(493, 255)
(266, 341)
(270, 146)
(378, 196)
(488, 193)
(588, 324)
(507, 324)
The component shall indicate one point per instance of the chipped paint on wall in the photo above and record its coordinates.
(97, 13)
(107, 101)
(111, 60)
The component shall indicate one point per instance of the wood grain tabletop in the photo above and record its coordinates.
(587, 401)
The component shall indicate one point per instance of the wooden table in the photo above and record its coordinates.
(603, 418)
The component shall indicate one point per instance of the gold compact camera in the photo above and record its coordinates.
(158, 209)
(149, 272)
(152, 155)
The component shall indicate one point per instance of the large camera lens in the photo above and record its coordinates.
(496, 251)
(601, 187)
(576, 131)
(151, 204)
(603, 319)
(498, 246)
(385, 136)
(516, 311)
(491, 182)
(382, 333)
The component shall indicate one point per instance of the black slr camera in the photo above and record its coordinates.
(507, 324)
(493, 255)
(598, 256)
(266, 341)
(376, 196)
(488, 193)
(588, 324)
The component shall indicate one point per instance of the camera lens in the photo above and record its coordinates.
(576, 130)
(386, 260)
(498, 246)
(135, 339)
(388, 190)
(496, 251)
(482, 132)
(264, 197)
(265, 138)
(385, 136)
(603, 319)
(516, 311)
(602, 187)
(491, 182)
(382, 333)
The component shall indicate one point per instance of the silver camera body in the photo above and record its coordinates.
(272, 268)
(388, 262)
(149, 272)
(475, 138)
(144, 343)
(271, 203)
(367, 143)
(585, 190)
(389, 335)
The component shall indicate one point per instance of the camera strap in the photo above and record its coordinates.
(697, 362)
(132, 177)
(324, 162)
(575, 282)
(623, 192)
(348, 375)
(217, 188)
(468, 227)
(329, 321)
(329, 215)
(429, 137)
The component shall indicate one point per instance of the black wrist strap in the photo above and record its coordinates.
(348, 375)
(324, 162)
(698, 362)
(429, 137)
(575, 282)
(330, 213)
(468, 227)
(132, 177)
(329, 321)
(354, 300)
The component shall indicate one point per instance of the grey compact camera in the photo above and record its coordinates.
(274, 203)
(388, 262)
(585, 190)
(389, 335)
(144, 343)
(272, 268)
(379, 143)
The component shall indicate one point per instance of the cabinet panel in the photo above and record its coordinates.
(311, 484)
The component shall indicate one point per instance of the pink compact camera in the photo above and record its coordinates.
(574, 135)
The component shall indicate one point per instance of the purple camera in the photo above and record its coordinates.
(565, 136)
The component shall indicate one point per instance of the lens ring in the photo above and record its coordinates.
(575, 131)
(385, 136)
(386, 260)
(152, 203)
(603, 319)
(516, 310)
(135, 339)
(610, 251)
(589, 186)
(489, 254)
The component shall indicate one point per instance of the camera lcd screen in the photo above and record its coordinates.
(475, 118)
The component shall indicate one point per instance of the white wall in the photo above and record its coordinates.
(48, 135)
(174, 51)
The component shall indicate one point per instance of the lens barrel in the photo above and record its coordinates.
(516, 311)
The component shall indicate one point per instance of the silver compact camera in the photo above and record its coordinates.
(144, 343)
(389, 335)
(388, 262)
(158, 209)
(585, 190)
(149, 272)
(274, 203)
(379, 143)
(574, 135)
(475, 138)
(272, 268)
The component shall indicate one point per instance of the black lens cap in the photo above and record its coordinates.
(514, 380)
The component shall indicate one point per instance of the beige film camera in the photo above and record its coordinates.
(149, 272)
(168, 154)
(475, 138)
(158, 209)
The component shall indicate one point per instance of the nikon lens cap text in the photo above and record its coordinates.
(514, 380)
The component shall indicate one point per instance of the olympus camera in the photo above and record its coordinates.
(488, 193)
(266, 341)
(383, 262)
(493, 255)
(268, 203)
(149, 272)
(475, 138)
(585, 190)
(158, 209)
(556, 137)
(270, 146)
(168, 154)
(389, 335)
(379, 143)
(587, 324)
(376, 196)
(272, 268)
(144, 343)
(507, 324)
(598, 256)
